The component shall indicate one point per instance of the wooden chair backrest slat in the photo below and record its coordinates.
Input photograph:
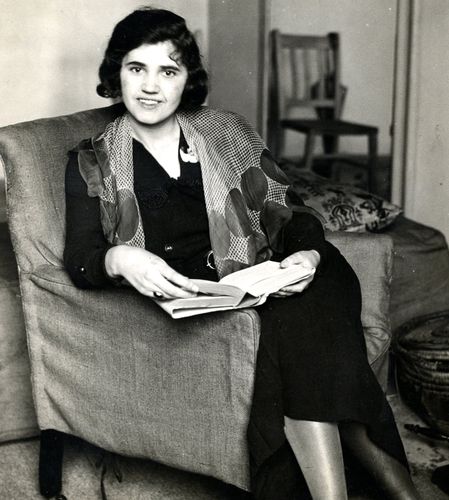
(305, 41)
(306, 72)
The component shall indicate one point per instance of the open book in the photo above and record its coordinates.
(245, 288)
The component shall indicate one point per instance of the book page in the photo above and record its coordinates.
(217, 288)
(200, 301)
(246, 288)
(267, 277)
(248, 301)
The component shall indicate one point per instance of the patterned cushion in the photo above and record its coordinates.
(342, 207)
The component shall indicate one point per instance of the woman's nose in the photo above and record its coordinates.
(150, 83)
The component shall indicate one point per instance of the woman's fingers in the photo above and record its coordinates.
(287, 291)
(159, 287)
(148, 273)
(280, 294)
(178, 279)
(162, 279)
(300, 286)
(293, 259)
(309, 258)
(171, 291)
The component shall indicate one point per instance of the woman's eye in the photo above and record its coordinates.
(135, 69)
(169, 72)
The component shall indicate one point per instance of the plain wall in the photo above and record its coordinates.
(234, 53)
(427, 148)
(50, 51)
(367, 37)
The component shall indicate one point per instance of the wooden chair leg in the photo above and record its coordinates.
(372, 159)
(280, 142)
(330, 144)
(50, 463)
(276, 140)
(309, 150)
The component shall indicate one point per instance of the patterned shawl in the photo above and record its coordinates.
(244, 189)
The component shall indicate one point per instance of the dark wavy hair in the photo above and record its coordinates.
(152, 26)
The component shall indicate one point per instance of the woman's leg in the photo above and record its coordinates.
(390, 475)
(317, 449)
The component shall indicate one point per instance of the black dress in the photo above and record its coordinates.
(312, 362)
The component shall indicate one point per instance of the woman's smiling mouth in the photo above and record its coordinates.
(147, 102)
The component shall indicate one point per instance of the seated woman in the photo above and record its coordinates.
(171, 191)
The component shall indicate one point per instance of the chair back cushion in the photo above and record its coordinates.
(35, 155)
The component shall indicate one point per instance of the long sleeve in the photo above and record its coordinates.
(85, 244)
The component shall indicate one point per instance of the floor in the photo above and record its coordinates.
(143, 479)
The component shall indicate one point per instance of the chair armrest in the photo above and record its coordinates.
(371, 257)
(95, 351)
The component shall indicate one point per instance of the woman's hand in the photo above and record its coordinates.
(147, 273)
(309, 258)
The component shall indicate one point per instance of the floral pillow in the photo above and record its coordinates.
(342, 207)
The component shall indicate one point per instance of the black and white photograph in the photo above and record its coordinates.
(224, 261)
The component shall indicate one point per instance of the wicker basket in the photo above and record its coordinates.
(422, 370)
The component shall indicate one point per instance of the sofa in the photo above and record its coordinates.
(109, 366)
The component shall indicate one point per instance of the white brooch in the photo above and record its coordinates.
(189, 156)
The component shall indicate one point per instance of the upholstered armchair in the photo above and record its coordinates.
(112, 368)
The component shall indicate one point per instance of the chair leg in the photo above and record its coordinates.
(372, 159)
(280, 143)
(309, 150)
(50, 463)
(276, 140)
(330, 144)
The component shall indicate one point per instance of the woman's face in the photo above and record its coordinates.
(152, 83)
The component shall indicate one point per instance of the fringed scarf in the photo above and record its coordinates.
(245, 191)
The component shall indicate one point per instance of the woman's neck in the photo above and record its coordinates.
(155, 136)
(162, 141)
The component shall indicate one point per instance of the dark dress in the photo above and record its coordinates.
(312, 362)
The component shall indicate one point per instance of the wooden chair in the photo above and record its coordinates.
(306, 74)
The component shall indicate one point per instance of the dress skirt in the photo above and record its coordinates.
(312, 365)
